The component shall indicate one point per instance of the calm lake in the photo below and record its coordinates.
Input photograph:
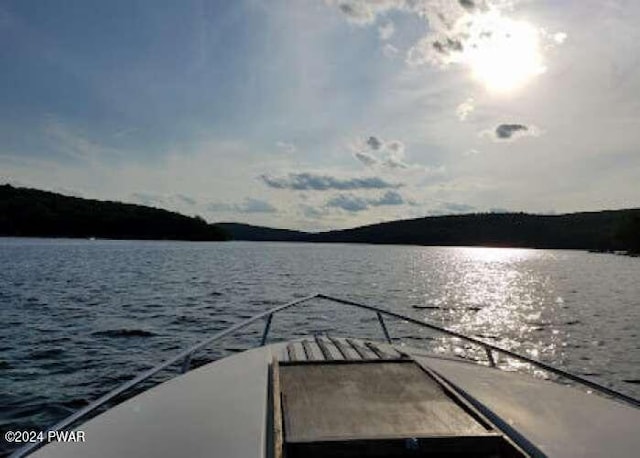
(80, 317)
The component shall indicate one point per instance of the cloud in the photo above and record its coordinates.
(186, 199)
(312, 212)
(509, 132)
(364, 12)
(559, 37)
(286, 147)
(162, 200)
(250, 205)
(439, 52)
(73, 142)
(374, 143)
(389, 51)
(395, 146)
(386, 30)
(357, 12)
(505, 131)
(462, 32)
(315, 182)
(459, 32)
(354, 204)
(465, 109)
(376, 152)
(389, 198)
(366, 158)
(348, 202)
(451, 208)
(469, 5)
(395, 163)
(125, 132)
(457, 208)
(439, 171)
(144, 198)
(257, 206)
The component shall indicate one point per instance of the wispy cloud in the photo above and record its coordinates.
(386, 30)
(250, 205)
(73, 143)
(366, 158)
(353, 203)
(375, 152)
(452, 207)
(163, 200)
(309, 211)
(286, 147)
(315, 182)
(465, 109)
(389, 51)
(348, 202)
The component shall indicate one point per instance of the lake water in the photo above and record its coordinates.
(79, 317)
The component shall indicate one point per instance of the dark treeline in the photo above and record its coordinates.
(605, 230)
(249, 232)
(629, 233)
(32, 213)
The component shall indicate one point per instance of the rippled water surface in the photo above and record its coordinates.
(79, 317)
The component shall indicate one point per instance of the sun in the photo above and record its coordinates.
(503, 54)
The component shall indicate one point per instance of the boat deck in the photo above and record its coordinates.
(222, 409)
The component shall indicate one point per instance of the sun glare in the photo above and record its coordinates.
(503, 53)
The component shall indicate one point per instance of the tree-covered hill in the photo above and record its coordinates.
(33, 213)
(590, 230)
(241, 231)
(629, 233)
(604, 230)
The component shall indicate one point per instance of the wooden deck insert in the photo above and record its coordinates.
(324, 402)
(373, 407)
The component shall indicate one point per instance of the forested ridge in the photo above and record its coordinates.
(34, 213)
(602, 231)
(28, 212)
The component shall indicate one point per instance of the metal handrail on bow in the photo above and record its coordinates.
(185, 358)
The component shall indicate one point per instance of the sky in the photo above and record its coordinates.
(324, 114)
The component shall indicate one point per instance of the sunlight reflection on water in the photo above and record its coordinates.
(490, 293)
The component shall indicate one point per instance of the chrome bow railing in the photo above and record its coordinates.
(185, 356)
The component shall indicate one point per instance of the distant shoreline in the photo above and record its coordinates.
(603, 231)
(28, 212)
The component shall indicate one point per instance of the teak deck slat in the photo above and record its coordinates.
(329, 350)
(326, 355)
(347, 351)
(364, 352)
(379, 353)
(312, 350)
(389, 350)
(291, 353)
